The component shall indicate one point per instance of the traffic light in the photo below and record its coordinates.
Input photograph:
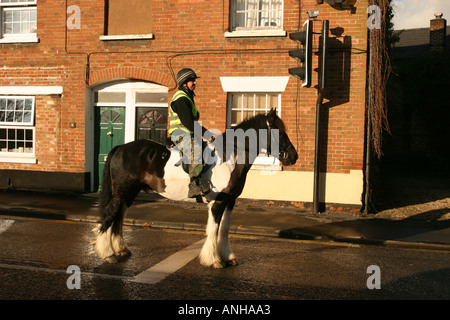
(304, 54)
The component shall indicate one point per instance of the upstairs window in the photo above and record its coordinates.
(18, 21)
(128, 20)
(256, 15)
(244, 105)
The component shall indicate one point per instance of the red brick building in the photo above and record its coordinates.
(80, 75)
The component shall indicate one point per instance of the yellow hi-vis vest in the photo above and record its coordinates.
(174, 119)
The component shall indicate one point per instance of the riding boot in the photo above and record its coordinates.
(204, 186)
(194, 188)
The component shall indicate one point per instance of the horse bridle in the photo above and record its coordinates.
(283, 155)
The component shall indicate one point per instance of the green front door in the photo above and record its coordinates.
(109, 132)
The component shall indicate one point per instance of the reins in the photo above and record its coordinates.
(282, 153)
(269, 138)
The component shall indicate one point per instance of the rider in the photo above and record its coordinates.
(183, 118)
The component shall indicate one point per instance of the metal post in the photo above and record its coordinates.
(317, 153)
(322, 87)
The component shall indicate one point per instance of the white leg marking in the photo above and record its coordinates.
(209, 254)
(224, 242)
(118, 242)
(103, 245)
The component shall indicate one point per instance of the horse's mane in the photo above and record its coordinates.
(259, 122)
(256, 123)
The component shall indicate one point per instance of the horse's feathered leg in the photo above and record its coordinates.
(209, 255)
(117, 241)
(103, 246)
(108, 208)
(109, 239)
(223, 241)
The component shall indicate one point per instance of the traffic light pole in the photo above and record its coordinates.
(316, 191)
(319, 102)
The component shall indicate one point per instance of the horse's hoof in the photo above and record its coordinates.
(111, 259)
(125, 252)
(232, 263)
(218, 265)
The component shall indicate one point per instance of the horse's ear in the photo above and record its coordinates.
(271, 115)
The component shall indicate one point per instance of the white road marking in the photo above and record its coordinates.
(171, 264)
(5, 224)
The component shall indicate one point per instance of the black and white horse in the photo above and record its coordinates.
(144, 164)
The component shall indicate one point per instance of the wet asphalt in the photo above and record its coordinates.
(250, 217)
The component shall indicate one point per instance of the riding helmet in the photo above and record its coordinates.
(185, 75)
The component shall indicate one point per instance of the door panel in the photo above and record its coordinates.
(110, 132)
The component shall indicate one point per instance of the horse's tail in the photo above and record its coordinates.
(106, 192)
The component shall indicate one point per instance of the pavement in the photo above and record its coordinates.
(250, 217)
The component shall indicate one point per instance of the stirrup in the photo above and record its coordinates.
(203, 184)
(205, 187)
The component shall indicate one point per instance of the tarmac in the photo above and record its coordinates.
(250, 217)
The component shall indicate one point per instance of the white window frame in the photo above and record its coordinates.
(16, 38)
(17, 156)
(253, 108)
(255, 31)
(14, 123)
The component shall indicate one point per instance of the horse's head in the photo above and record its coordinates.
(287, 153)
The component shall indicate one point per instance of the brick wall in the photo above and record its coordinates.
(190, 33)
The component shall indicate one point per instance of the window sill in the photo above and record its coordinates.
(12, 159)
(19, 40)
(31, 90)
(255, 33)
(266, 168)
(149, 36)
